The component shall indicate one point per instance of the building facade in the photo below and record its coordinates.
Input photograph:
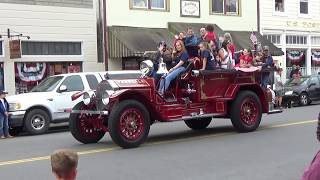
(134, 17)
(294, 26)
(63, 39)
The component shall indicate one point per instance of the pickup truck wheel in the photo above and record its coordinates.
(81, 127)
(198, 124)
(129, 124)
(37, 121)
(246, 112)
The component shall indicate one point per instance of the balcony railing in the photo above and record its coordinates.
(314, 70)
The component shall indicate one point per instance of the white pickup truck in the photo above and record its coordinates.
(46, 103)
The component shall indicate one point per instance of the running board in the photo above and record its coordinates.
(199, 116)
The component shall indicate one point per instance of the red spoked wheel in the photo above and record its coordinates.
(85, 127)
(246, 111)
(249, 111)
(129, 123)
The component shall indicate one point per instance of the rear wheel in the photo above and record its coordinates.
(246, 112)
(198, 124)
(129, 124)
(304, 99)
(82, 128)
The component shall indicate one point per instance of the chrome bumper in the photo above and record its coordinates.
(89, 112)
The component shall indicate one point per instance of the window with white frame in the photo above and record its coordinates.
(149, 4)
(279, 5)
(51, 48)
(315, 40)
(295, 39)
(228, 7)
(304, 7)
(1, 48)
(274, 38)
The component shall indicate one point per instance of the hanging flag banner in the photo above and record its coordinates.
(15, 49)
(295, 56)
(316, 57)
(31, 72)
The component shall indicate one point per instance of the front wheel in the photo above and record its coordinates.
(246, 112)
(82, 128)
(304, 99)
(37, 121)
(129, 124)
(198, 124)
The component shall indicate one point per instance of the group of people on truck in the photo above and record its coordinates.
(210, 54)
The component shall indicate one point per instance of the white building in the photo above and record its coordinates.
(294, 26)
(135, 26)
(63, 38)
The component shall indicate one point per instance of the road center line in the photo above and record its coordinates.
(95, 151)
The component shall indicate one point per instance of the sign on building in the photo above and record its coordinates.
(15, 49)
(190, 8)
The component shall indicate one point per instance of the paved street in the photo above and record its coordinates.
(281, 148)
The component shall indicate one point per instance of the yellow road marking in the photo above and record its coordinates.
(95, 151)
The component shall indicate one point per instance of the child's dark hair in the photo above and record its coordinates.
(209, 28)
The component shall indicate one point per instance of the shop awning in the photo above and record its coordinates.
(135, 41)
(242, 40)
(176, 28)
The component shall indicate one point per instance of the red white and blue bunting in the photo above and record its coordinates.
(316, 57)
(31, 72)
(295, 57)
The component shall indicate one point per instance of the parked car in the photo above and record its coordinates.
(302, 90)
(127, 108)
(46, 103)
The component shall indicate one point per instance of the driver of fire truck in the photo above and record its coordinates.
(164, 53)
(180, 56)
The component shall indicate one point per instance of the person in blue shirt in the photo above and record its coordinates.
(206, 58)
(180, 56)
(191, 43)
(4, 114)
(267, 63)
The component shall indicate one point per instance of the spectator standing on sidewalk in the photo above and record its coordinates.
(64, 164)
(4, 116)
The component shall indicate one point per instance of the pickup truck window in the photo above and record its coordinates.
(73, 83)
(92, 81)
(48, 84)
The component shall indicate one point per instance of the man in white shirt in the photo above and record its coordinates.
(4, 114)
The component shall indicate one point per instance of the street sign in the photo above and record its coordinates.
(15, 49)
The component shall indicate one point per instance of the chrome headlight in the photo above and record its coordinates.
(288, 93)
(105, 98)
(86, 98)
(146, 67)
(14, 106)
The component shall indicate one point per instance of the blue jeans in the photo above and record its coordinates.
(4, 126)
(165, 82)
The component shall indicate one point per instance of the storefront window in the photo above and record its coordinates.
(28, 75)
(1, 48)
(1, 77)
(149, 4)
(294, 39)
(304, 9)
(279, 5)
(51, 48)
(274, 38)
(229, 7)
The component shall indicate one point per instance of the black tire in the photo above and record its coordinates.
(82, 131)
(14, 131)
(118, 111)
(237, 107)
(304, 99)
(37, 121)
(198, 124)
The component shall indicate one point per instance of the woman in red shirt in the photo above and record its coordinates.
(246, 59)
(231, 46)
